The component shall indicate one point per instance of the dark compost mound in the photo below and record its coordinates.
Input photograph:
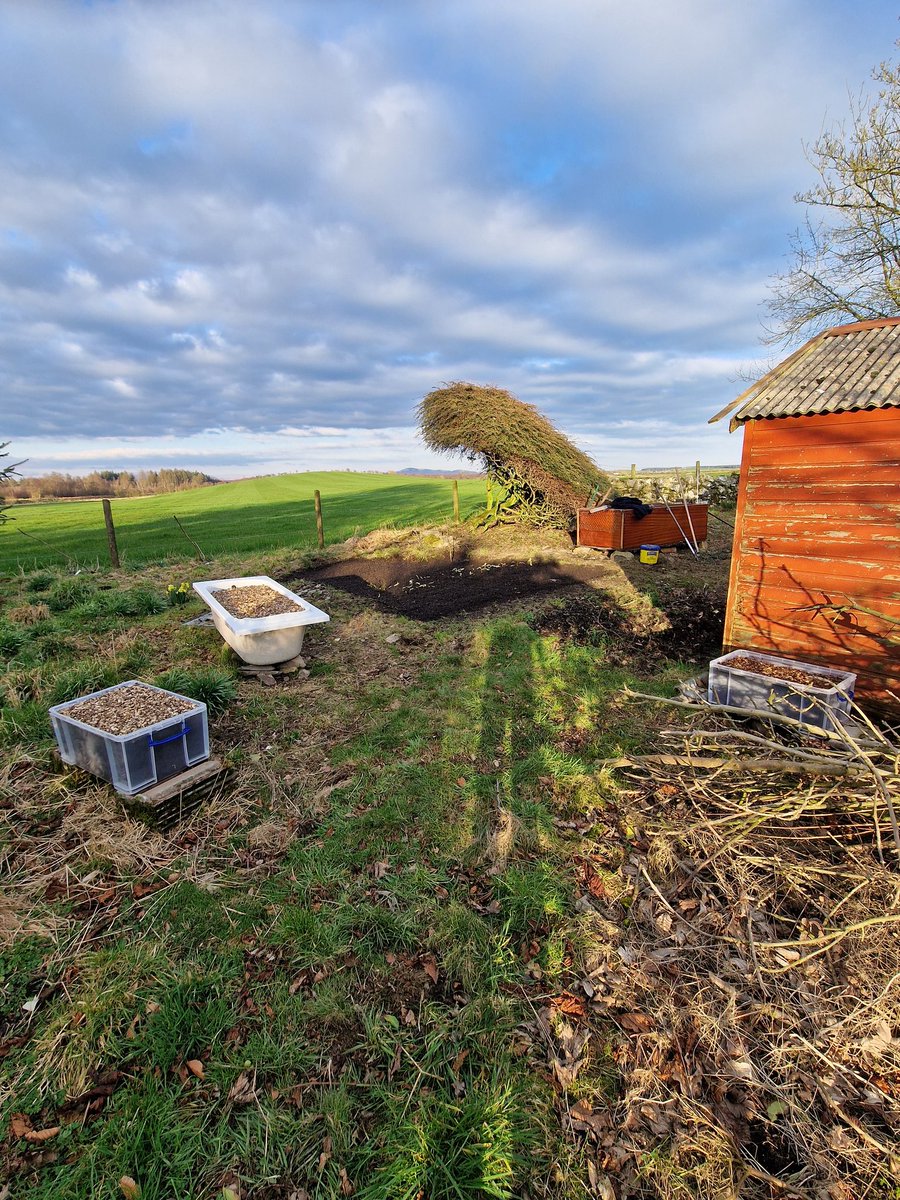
(426, 591)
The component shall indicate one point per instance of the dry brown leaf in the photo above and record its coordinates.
(430, 967)
(243, 1090)
(346, 1185)
(636, 1022)
(195, 1066)
(325, 1155)
(130, 1188)
(19, 1125)
(572, 1006)
(42, 1135)
(380, 869)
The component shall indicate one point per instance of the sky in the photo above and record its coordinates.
(248, 238)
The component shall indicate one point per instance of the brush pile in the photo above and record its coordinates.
(542, 476)
(755, 983)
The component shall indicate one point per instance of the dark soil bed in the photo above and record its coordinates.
(426, 591)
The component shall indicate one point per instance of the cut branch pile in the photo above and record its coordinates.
(544, 478)
(753, 970)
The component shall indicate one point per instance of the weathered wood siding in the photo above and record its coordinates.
(818, 522)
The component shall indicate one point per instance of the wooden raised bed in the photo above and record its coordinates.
(619, 528)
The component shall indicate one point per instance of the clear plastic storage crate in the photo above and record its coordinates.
(132, 762)
(818, 707)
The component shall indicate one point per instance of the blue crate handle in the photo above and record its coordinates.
(172, 737)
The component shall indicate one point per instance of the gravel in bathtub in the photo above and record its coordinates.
(778, 671)
(255, 600)
(128, 709)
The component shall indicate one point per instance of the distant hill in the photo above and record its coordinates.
(446, 474)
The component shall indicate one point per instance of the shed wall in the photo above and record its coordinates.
(818, 523)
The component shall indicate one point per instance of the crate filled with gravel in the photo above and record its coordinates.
(133, 735)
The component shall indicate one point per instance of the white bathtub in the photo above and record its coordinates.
(261, 641)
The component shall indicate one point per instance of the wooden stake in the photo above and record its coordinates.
(320, 528)
(456, 501)
(110, 533)
(633, 471)
(697, 479)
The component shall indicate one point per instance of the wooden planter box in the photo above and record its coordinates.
(619, 529)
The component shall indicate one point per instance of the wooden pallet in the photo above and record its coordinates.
(167, 803)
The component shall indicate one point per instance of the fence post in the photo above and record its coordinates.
(320, 529)
(697, 478)
(633, 471)
(110, 533)
(456, 501)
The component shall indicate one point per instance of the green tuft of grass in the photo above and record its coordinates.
(69, 591)
(12, 639)
(468, 1149)
(213, 686)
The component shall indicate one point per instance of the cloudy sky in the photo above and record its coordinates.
(249, 237)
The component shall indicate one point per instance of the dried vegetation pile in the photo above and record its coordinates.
(756, 979)
(545, 477)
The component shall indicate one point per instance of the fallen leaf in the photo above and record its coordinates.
(572, 1006)
(195, 1066)
(346, 1185)
(19, 1125)
(243, 1090)
(430, 967)
(635, 1022)
(129, 1188)
(380, 869)
(461, 782)
(458, 1061)
(325, 1156)
(42, 1135)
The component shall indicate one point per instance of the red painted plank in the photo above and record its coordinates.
(868, 423)
(793, 574)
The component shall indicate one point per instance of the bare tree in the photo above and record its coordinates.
(6, 472)
(847, 255)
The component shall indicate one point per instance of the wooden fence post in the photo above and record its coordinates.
(697, 478)
(110, 533)
(633, 471)
(455, 501)
(320, 529)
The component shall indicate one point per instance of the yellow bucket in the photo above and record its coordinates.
(650, 555)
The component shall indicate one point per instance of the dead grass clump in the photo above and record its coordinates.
(756, 982)
(29, 614)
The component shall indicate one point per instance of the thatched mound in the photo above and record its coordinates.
(518, 447)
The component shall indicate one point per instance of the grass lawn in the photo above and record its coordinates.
(364, 968)
(250, 516)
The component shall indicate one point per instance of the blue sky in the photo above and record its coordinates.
(248, 238)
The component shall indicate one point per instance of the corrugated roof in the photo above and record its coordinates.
(844, 369)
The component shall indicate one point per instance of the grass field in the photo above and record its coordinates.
(246, 517)
(436, 938)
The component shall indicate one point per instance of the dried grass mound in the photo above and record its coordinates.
(546, 476)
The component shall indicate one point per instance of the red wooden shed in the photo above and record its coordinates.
(815, 573)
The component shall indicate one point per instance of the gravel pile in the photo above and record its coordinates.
(255, 600)
(128, 709)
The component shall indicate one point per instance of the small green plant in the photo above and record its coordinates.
(178, 595)
(81, 680)
(211, 686)
(39, 582)
(67, 592)
(12, 639)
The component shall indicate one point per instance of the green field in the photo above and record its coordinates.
(229, 518)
